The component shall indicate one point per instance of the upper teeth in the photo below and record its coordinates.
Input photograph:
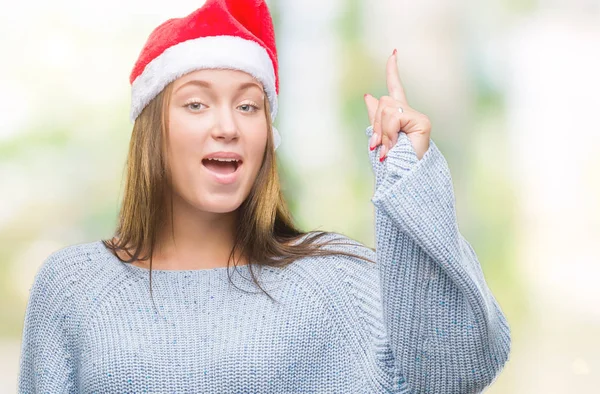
(210, 158)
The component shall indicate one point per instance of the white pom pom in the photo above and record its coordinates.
(276, 137)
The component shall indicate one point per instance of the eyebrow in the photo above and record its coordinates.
(208, 85)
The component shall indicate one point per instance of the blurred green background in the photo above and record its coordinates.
(511, 88)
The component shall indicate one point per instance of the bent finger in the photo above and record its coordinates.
(371, 104)
(391, 124)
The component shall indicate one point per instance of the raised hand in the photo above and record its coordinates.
(391, 114)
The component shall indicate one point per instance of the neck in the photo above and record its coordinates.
(194, 239)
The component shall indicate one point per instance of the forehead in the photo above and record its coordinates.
(219, 78)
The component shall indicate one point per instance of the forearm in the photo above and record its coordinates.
(447, 331)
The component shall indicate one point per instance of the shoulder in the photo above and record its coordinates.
(60, 278)
(351, 256)
(68, 279)
(69, 271)
(66, 262)
(353, 267)
(354, 271)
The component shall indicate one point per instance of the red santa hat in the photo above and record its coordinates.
(225, 34)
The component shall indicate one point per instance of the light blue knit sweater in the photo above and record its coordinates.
(422, 320)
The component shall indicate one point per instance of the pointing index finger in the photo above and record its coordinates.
(394, 85)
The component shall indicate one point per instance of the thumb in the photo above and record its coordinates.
(371, 103)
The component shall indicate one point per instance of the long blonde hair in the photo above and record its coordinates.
(266, 233)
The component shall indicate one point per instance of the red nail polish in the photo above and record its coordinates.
(395, 51)
(382, 158)
(371, 147)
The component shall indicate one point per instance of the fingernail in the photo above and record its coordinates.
(395, 51)
(383, 152)
(371, 141)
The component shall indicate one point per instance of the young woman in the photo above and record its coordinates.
(153, 310)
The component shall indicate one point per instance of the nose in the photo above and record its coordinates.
(226, 128)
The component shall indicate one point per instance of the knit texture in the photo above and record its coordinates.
(420, 320)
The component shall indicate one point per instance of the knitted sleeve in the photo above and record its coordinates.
(46, 364)
(446, 330)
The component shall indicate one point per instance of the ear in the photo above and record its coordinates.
(371, 103)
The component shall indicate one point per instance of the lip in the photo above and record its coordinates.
(224, 179)
(224, 155)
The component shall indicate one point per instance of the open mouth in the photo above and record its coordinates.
(222, 167)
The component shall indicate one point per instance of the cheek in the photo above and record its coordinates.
(256, 136)
(185, 133)
(184, 149)
(256, 150)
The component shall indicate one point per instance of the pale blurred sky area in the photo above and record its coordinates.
(512, 89)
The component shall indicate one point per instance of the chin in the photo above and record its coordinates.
(219, 203)
(222, 208)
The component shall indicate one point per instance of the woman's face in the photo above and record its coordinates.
(213, 111)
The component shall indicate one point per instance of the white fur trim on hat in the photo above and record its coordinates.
(225, 52)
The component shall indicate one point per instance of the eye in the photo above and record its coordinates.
(193, 105)
(249, 108)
